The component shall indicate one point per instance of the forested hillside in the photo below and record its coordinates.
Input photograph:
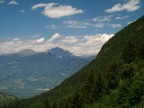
(114, 79)
(6, 99)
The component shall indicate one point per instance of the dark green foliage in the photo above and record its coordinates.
(77, 100)
(100, 87)
(64, 102)
(132, 92)
(141, 50)
(129, 71)
(129, 52)
(47, 104)
(54, 105)
(87, 89)
(113, 76)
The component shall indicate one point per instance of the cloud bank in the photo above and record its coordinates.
(129, 6)
(54, 10)
(79, 45)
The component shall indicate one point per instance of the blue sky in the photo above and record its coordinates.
(30, 21)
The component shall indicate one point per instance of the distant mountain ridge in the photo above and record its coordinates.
(28, 73)
(26, 52)
(60, 53)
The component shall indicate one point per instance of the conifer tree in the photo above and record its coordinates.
(77, 101)
(100, 87)
(87, 89)
(129, 52)
(47, 104)
(113, 76)
(54, 105)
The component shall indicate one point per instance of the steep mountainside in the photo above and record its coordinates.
(114, 79)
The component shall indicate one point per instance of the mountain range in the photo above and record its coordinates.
(28, 73)
(114, 79)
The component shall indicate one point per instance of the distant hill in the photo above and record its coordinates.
(114, 79)
(28, 73)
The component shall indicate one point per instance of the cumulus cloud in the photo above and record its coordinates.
(13, 3)
(102, 19)
(54, 10)
(53, 37)
(53, 26)
(97, 22)
(79, 45)
(40, 5)
(115, 25)
(129, 6)
(99, 25)
(40, 40)
(122, 17)
(77, 24)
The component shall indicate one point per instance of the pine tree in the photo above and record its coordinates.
(99, 87)
(54, 105)
(47, 104)
(87, 90)
(77, 101)
(129, 71)
(129, 52)
(113, 76)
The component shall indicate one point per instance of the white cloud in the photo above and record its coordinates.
(54, 10)
(99, 25)
(53, 27)
(36, 35)
(69, 40)
(78, 45)
(53, 37)
(76, 26)
(71, 22)
(130, 22)
(129, 6)
(115, 25)
(102, 19)
(1, 1)
(13, 3)
(81, 45)
(122, 17)
(97, 22)
(40, 40)
(40, 5)
(16, 39)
